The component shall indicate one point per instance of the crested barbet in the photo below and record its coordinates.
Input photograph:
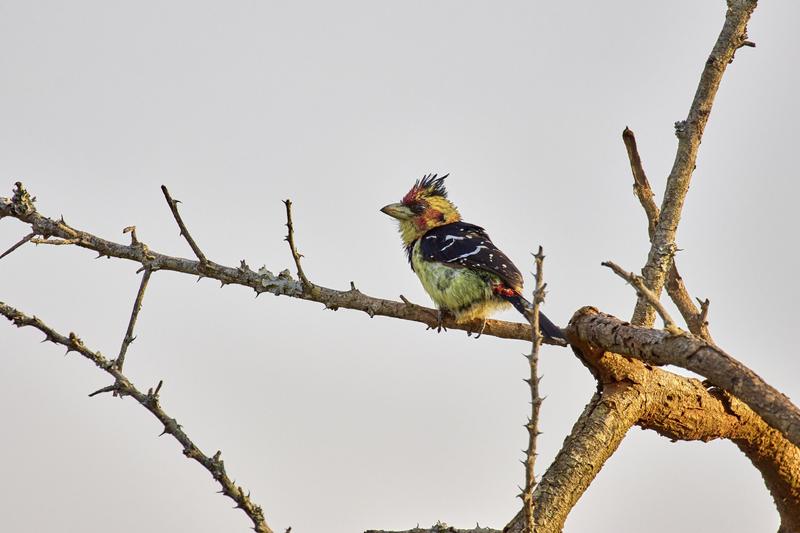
(462, 271)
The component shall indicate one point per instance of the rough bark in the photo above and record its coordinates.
(589, 325)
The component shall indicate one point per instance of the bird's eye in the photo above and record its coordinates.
(417, 208)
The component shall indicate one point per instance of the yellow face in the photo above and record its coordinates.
(423, 208)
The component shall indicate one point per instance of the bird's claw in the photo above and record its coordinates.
(440, 321)
(483, 327)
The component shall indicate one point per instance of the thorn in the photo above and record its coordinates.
(108, 388)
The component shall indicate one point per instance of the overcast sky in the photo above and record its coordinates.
(336, 422)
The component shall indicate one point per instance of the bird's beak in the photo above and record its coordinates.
(398, 211)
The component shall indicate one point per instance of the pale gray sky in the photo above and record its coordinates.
(336, 422)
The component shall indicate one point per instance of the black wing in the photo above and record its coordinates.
(468, 245)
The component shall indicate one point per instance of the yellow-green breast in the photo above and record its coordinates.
(464, 292)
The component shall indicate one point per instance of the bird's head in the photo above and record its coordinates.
(424, 207)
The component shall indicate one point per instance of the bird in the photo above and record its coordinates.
(459, 267)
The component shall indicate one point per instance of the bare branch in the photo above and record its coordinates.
(588, 325)
(690, 132)
(529, 504)
(695, 321)
(214, 465)
(641, 185)
(137, 305)
(22, 241)
(307, 285)
(262, 281)
(173, 206)
(439, 527)
(646, 294)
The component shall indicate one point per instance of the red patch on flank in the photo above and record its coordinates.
(503, 291)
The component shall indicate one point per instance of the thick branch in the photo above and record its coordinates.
(681, 408)
(262, 281)
(690, 132)
(149, 401)
(590, 326)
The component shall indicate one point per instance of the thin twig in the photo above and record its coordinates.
(641, 185)
(536, 399)
(646, 294)
(676, 289)
(22, 241)
(173, 206)
(307, 285)
(137, 305)
(149, 401)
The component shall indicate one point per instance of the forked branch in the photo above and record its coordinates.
(690, 132)
(151, 402)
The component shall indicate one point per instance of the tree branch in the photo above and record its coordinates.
(260, 282)
(307, 285)
(682, 408)
(690, 132)
(149, 401)
(645, 293)
(528, 501)
(439, 527)
(173, 206)
(593, 439)
(137, 306)
(695, 319)
(22, 241)
(588, 325)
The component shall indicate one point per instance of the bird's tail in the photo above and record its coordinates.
(545, 325)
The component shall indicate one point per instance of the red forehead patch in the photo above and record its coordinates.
(411, 195)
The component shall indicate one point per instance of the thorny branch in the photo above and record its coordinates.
(532, 426)
(137, 306)
(22, 241)
(689, 132)
(151, 402)
(173, 206)
(21, 207)
(307, 285)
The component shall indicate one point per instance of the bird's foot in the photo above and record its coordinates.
(439, 322)
(483, 327)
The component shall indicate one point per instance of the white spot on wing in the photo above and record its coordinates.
(473, 252)
(452, 239)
